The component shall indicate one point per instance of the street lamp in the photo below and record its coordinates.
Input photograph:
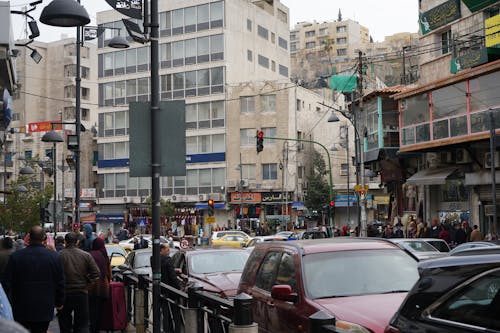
(53, 136)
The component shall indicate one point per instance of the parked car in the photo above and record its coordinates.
(455, 294)
(470, 245)
(235, 240)
(128, 244)
(116, 254)
(440, 244)
(287, 235)
(219, 234)
(139, 261)
(419, 248)
(361, 282)
(216, 270)
(313, 234)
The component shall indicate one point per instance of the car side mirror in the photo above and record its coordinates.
(178, 271)
(283, 292)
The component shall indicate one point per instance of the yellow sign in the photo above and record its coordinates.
(492, 31)
(359, 188)
(382, 199)
(210, 219)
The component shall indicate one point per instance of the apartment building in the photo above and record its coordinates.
(45, 98)
(206, 47)
(445, 121)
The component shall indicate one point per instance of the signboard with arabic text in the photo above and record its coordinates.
(44, 126)
(492, 31)
(276, 197)
(245, 197)
(438, 16)
(130, 8)
(471, 59)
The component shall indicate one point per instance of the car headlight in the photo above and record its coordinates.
(347, 327)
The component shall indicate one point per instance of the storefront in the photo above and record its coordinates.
(113, 222)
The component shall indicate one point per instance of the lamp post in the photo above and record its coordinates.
(54, 137)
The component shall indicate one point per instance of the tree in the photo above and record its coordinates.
(318, 194)
(167, 208)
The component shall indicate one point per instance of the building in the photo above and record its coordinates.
(45, 98)
(445, 121)
(206, 48)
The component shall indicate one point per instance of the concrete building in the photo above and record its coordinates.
(445, 121)
(45, 96)
(206, 48)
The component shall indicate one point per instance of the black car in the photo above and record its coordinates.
(454, 295)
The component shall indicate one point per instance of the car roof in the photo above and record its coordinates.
(209, 249)
(477, 251)
(460, 261)
(311, 246)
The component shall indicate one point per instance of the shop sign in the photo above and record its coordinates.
(44, 126)
(492, 31)
(382, 199)
(472, 59)
(475, 5)
(440, 15)
(276, 196)
(245, 197)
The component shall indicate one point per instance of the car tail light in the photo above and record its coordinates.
(347, 327)
(391, 329)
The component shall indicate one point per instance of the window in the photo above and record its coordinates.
(323, 31)
(85, 93)
(203, 49)
(247, 104)
(248, 171)
(310, 45)
(249, 55)
(342, 40)
(267, 271)
(249, 25)
(342, 52)
(341, 28)
(294, 36)
(311, 33)
(298, 104)
(216, 14)
(263, 61)
(247, 136)
(216, 47)
(269, 171)
(282, 16)
(283, 70)
(273, 37)
(190, 51)
(446, 42)
(269, 132)
(70, 70)
(273, 65)
(293, 47)
(343, 169)
(190, 19)
(286, 272)
(282, 43)
(178, 21)
(165, 24)
(203, 17)
(263, 32)
(268, 103)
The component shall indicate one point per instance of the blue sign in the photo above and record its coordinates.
(141, 222)
(109, 218)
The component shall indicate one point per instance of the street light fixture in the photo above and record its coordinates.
(26, 170)
(65, 13)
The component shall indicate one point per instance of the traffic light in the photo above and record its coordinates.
(45, 215)
(210, 207)
(332, 203)
(260, 141)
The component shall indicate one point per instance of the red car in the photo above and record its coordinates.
(216, 270)
(361, 282)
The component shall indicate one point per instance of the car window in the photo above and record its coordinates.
(218, 261)
(142, 259)
(420, 246)
(286, 271)
(267, 271)
(476, 304)
(441, 246)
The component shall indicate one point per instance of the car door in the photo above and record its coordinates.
(283, 315)
(261, 290)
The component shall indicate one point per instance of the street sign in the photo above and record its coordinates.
(141, 223)
(210, 219)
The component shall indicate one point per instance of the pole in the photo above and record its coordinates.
(285, 171)
(241, 194)
(55, 188)
(5, 180)
(403, 81)
(78, 124)
(155, 162)
(493, 226)
(348, 177)
(363, 231)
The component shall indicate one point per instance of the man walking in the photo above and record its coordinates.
(171, 314)
(34, 278)
(80, 270)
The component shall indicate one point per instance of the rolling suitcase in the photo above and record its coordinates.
(114, 314)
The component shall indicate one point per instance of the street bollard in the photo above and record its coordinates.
(127, 282)
(243, 318)
(192, 319)
(140, 309)
(322, 322)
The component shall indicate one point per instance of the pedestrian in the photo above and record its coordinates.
(6, 249)
(5, 307)
(143, 244)
(398, 233)
(34, 279)
(80, 271)
(59, 243)
(444, 234)
(89, 237)
(171, 313)
(476, 235)
(460, 235)
(387, 232)
(435, 229)
(99, 291)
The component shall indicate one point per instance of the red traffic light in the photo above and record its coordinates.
(211, 203)
(260, 134)
(332, 203)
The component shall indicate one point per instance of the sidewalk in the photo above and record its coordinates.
(54, 327)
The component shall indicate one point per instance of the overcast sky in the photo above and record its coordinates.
(382, 17)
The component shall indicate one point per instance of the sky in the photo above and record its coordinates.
(382, 18)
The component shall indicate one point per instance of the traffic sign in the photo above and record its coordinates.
(141, 222)
(210, 219)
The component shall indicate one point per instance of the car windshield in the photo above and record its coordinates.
(217, 261)
(116, 250)
(142, 259)
(419, 246)
(360, 272)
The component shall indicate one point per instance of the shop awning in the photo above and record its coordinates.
(204, 205)
(480, 177)
(436, 176)
(298, 205)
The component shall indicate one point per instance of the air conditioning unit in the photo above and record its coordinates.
(174, 198)
(231, 183)
(203, 197)
(244, 182)
(462, 156)
(488, 162)
(432, 160)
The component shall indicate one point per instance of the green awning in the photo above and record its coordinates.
(343, 83)
(475, 5)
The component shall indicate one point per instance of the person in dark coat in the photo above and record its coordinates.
(34, 279)
(171, 314)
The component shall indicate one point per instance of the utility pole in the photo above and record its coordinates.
(363, 230)
(494, 226)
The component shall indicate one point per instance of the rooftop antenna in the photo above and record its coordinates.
(340, 16)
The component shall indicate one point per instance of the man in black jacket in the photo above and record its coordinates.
(34, 278)
(171, 314)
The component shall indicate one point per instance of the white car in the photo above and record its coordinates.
(219, 234)
(128, 244)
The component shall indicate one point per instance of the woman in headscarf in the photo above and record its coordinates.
(89, 237)
(99, 292)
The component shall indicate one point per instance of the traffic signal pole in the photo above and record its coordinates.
(330, 187)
